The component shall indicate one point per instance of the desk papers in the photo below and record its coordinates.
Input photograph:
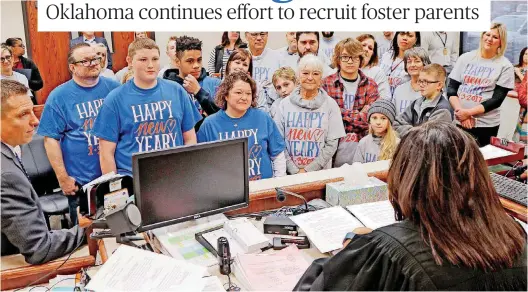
(178, 240)
(270, 272)
(327, 228)
(133, 269)
(374, 215)
(491, 152)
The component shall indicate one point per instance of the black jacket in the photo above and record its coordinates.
(35, 81)
(396, 258)
(203, 97)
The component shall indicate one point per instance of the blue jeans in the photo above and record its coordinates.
(72, 203)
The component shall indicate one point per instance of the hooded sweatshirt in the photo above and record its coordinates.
(368, 149)
(204, 99)
(311, 130)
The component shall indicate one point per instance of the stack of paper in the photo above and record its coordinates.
(270, 272)
(491, 152)
(327, 228)
(133, 269)
(374, 215)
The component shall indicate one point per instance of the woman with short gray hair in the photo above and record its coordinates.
(310, 121)
(414, 61)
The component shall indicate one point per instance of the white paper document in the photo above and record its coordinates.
(491, 152)
(213, 284)
(374, 215)
(271, 272)
(133, 269)
(327, 228)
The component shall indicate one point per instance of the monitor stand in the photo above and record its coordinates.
(198, 225)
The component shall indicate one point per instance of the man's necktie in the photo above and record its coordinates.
(21, 164)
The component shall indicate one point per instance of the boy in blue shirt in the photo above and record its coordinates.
(67, 121)
(145, 114)
(238, 118)
(192, 76)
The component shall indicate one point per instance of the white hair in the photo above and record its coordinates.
(311, 61)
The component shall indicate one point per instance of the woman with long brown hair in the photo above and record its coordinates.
(220, 54)
(454, 233)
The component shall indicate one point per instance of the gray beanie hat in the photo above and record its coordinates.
(383, 106)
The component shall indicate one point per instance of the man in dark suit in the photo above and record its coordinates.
(90, 38)
(22, 219)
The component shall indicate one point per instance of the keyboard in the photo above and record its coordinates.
(510, 189)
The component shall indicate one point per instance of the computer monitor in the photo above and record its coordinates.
(190, 182)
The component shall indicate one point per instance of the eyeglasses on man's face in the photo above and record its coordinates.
(348, 58)
(426, 82)
(89, 62)
(6, 58)
(262, 34)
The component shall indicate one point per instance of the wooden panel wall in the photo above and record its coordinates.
(120, 41)
(49, 50)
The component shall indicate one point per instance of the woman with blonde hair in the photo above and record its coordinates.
(479, 83)
(101, 52)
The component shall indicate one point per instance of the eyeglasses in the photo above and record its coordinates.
(423, 82)
(88, 63)
(262, 34)
(347, 58)
(7, 58)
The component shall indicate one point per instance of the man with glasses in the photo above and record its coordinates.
(431, 106)
(68, 119)
(354, 93)
(89, 37)
(265, 60)
(23, 64)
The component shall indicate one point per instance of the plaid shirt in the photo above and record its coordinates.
(354, 120)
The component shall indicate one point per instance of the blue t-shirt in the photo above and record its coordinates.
(265, 140)
(69, 116)
(140, 120)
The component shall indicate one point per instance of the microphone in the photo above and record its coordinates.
(281, 196)
(224, 256)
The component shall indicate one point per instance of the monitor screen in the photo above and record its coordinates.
(190, 182)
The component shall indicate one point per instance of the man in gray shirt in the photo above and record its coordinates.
(23, 224)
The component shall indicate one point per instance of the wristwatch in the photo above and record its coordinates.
(349, 236)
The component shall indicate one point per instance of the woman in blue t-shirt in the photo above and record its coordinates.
(236, 97)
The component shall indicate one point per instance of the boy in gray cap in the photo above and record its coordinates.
(382, 140)
(431, 106)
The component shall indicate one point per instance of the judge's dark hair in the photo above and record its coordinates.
(439, 180)
(396, 49)
(223, 90)
(186, 43)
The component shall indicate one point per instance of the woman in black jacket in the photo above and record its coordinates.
(454, 233)
(220, 54)
(20, 62)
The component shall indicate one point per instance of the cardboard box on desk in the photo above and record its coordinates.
(344, 193)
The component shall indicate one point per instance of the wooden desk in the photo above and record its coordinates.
(16, 273)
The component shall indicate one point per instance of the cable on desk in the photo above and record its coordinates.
(64, 262)
(230, 286)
